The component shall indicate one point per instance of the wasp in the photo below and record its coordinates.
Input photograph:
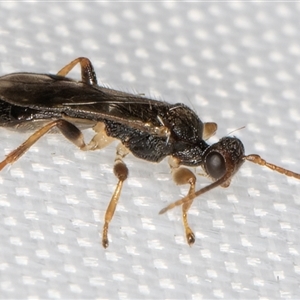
(149, 129)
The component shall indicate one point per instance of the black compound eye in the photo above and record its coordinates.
(215, 165)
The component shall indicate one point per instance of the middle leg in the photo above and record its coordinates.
(121, 172)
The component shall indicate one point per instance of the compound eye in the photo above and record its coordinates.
(215, 165)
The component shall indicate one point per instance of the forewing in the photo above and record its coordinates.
(76, 99)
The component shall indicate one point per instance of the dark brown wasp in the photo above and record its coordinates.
(149, 129)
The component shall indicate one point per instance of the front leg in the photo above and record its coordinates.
(184, 176)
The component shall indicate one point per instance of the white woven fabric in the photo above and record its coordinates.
(237, 64)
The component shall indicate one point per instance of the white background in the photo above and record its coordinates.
(237, 64)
